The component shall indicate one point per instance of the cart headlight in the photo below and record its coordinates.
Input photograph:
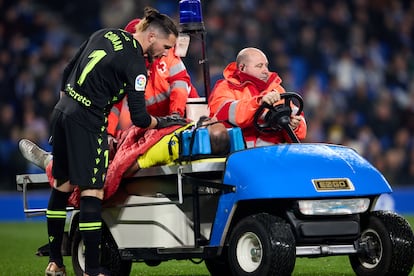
(333, 206)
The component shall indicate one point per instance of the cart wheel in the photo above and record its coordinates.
(152, 262)
(110, 258)
(78, 256)
(262, 244)
(389, 243)
(220, 265)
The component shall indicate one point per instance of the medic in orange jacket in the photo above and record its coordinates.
(236, 99)
(168, 88)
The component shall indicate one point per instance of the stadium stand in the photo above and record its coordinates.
(352, 61)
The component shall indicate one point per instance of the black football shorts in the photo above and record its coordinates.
(79, 155)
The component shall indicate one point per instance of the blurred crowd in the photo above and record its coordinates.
(352, 61)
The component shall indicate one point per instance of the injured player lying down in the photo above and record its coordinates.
(166, 150)
(163, 152)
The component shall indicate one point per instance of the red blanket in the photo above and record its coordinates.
(132, 143)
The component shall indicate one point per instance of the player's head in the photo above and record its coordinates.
(156, 32)
(219, 137)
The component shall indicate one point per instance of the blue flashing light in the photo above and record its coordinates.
(190, 12)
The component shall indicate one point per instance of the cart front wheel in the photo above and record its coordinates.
(388, 246)
(262, 244)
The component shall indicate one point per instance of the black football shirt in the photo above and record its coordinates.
(109, 65)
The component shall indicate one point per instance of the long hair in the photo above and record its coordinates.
(153, 18)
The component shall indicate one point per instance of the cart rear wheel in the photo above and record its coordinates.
(78, 257)
(262, 244)
(110, 257)
(389, 243)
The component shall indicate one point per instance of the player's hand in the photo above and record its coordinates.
(170, 120)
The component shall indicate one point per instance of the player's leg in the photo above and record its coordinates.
(89, 163)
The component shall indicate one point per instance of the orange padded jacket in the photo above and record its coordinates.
(237, 101)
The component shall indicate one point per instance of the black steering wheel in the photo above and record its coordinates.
(278, 117)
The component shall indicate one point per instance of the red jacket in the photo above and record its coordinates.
(169, 86)
(237, 101)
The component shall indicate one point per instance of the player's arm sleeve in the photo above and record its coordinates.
(138, 110)
(137, 81)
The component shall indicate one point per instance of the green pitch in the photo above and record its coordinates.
(19, 242)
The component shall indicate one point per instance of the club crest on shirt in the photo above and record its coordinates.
(140, 82)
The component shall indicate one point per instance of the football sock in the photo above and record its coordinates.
(90, 226)
(56, 218)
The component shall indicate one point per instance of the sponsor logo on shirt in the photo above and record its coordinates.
(140, 82)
